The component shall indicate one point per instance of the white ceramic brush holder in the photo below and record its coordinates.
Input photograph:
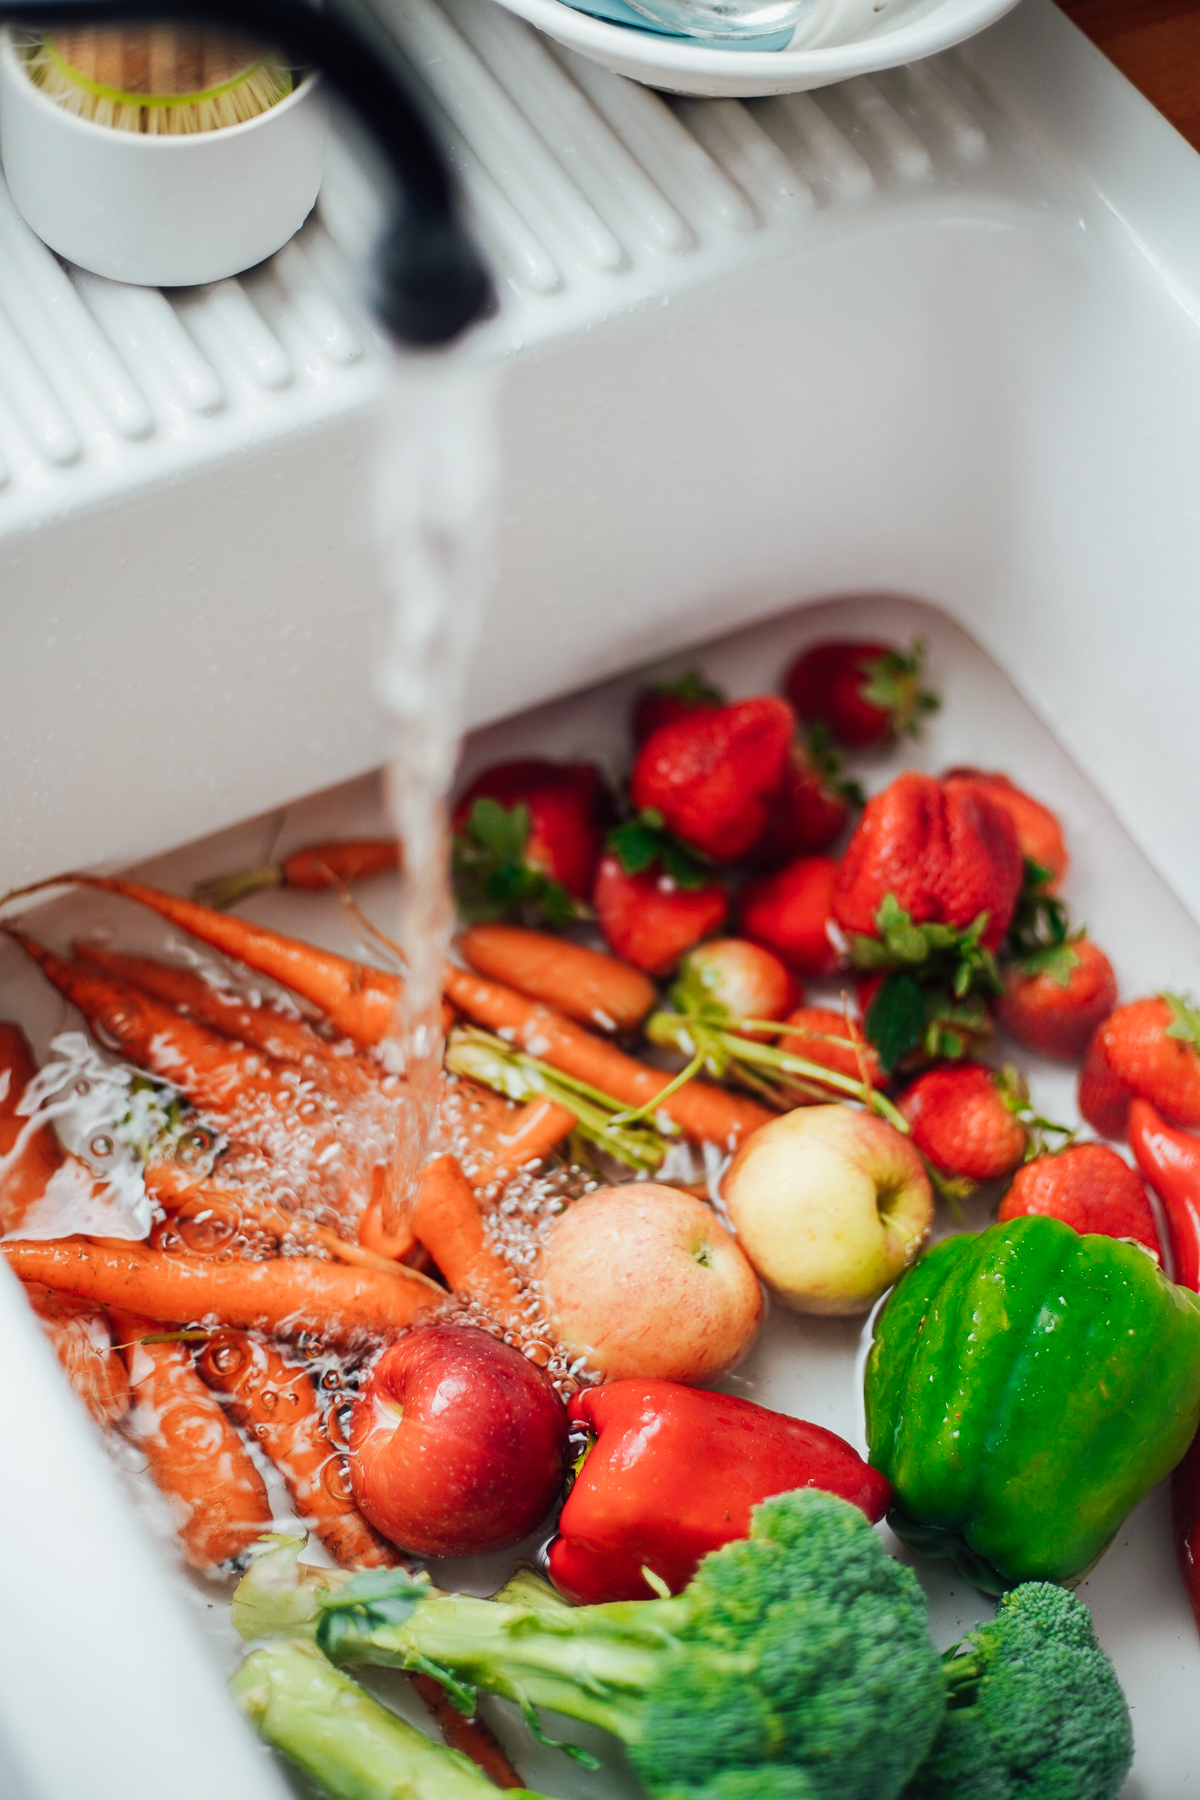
(170, 211)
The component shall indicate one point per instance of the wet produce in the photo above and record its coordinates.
(673, 1472)
(797, 1661)
(457, 1444)
(1008, 1364)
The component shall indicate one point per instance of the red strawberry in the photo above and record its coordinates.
(945, 853)
(810, 811)
(813, 1026)
(569, 808)
(789, 913)
(1039, 833)
(670, 701)
(1088, 1187)
(648, 920)
(864, 693)
(1054, 1017)
(960, 1120)
(740, 980)
(1146, 1049)
(713, 776)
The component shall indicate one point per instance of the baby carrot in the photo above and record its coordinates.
(208, 1216)
(703, 1112)
(317, 866)
(196, 1458)
(469, 1736)
(25, 1172)
(533, 1131)
(258, 1027)
(274, 1402)
(449, 1223)
(17, 1067)
(83, 1345)
(286, 1295)
(358, 1001)
(587, 985)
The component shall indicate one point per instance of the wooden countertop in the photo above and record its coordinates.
(1156, 43)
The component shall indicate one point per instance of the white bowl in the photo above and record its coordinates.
(160, 211)
(838, 39)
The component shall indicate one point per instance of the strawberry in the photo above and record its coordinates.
(946, 854)
(735, 980)
(711, 778)
(964, 1119)
(789, 914)
(1055, 1010)
(1039, 833)
(1088, 1187)
(811, 808)
(1146, 1049)
(527, 838)
(865, 693)
(813, 1026)
(648, 919)
(669, 701)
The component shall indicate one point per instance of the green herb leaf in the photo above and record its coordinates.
(895, 1021)
(893, 684)
(1185, 1019)
(644, 840)
(491, 874)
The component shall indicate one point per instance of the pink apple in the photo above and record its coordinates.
(458, 1444)
(645, 1280)
(830, 1205)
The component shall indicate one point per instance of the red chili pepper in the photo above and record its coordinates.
(1170, 1161)
(673, 1474)
(1185, 1520)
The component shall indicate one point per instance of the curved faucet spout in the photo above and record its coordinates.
(432, 280)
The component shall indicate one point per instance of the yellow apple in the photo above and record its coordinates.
(830, 1204)
(644, 1280)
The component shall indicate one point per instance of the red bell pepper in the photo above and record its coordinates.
(1185, 1521)
(673, 1473)
(1170, 1161)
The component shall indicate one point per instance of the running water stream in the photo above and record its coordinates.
(433, 492)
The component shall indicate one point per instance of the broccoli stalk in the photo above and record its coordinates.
(352, 1747)
(795, 1666)
(1034, 1709)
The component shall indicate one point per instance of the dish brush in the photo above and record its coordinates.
(161, 80)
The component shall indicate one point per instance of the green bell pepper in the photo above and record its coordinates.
(1026, 1387)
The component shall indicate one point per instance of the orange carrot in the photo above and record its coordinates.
(449, 1223)
(533, 1132)
(24, 1178)
(318, 866)
(258, 1027)
(17, 1067)
(587, 985)
(703, 1112)
(358, 1001)
(469, 1736)
(285, 1295)
(196, 1458)
(207, 1218)
(83, 1345)
(273, 1401)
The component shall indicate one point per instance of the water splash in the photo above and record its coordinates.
(434, 489)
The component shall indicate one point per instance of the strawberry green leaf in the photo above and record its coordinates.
(827, 761)
(895, 1020)
(943, 957)
(644, 840)
(1185, 1019)
(1056, 960)
(693, 688)
(893, 684)
(492, 878)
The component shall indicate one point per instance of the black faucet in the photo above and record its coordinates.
(432, 282)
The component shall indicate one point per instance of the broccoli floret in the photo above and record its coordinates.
(796, 1665)
(1034, 1709)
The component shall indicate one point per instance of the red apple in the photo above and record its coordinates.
(458, 1444)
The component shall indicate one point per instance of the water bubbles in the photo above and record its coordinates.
(83, 1087)
(268, 1400)
(227, 1359)
(331, 1379)
(194, 1146)
(335, 1479)
(101, 1145)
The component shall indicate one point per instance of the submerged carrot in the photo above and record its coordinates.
(25, 1173)
(533, 1132)
(196, 1458)
(587, 985)
(285, 1295)
(702, 1111)
(274, 1402)
(258, 1027)
(206, 1219)
(449, 1223)
(358, 1001)
(83, 1345)
(469, 1736)
(18, 1066)
(315, 867)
